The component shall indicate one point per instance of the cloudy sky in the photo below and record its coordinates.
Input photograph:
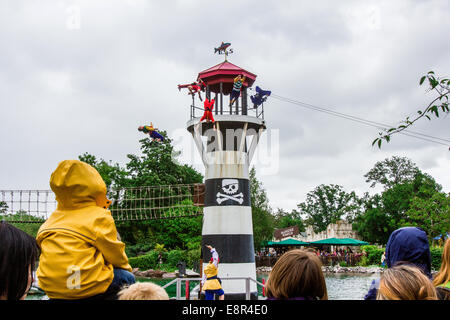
(81, 76)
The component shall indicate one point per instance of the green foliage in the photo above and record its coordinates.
(410, 198)
(138, 249)
(31, 228)
(431, 214)
(392, 171)
(193, 256)
(343, 264)
(441, 87)
(373, 224)
(373, 254)
(157, 165)
(145, 262)
(327, 204)
(364, 262)
(436, 257)
(170, 259)
(284, 219)
(263, 220)
(3, 207)
(175, 256)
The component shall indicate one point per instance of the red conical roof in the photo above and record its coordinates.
(225, 72)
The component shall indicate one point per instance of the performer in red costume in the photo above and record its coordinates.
(194, 87)
(208, 115)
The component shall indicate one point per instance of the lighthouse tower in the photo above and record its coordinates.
(226, 149)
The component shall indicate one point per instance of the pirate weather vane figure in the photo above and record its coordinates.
(224, 49)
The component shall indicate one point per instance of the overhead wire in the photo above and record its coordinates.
(377, 125)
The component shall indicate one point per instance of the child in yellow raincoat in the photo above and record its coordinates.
(211, 283)
(81, 255)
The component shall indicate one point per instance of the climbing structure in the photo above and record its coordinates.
(226, 147)
(128, 204)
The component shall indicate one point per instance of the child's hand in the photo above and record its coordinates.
(209, 247)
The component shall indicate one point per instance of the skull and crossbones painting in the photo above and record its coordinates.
(230, 187)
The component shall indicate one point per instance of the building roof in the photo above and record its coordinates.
(225, 72)
(340, 242)
(287, 242)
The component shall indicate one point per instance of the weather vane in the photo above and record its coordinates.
(223, 49)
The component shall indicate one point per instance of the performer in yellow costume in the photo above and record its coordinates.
(211, 284)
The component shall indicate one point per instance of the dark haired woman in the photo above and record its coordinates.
(18, 255)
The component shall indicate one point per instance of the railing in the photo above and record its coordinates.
(178, 281)
(239, 107)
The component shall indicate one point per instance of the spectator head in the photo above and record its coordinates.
(405, 282)
(297, 275)
(18, 255)
(143, 291)
(443, 276)
(77, 184)
(409, 245)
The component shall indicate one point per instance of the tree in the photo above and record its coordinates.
(439, 104)
(263, 221)
(3, 207)
(327, 204)
(431, 214)
(156, 165)
(372, 224)
(392, 171)
(383, 213)
(284, 219)
(113, 175)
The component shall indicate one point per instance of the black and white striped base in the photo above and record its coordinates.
(228, 227)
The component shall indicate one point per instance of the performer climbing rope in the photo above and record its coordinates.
(194, 87)
(211, 283)
(208, 115)
(259, 97)
(238, 82)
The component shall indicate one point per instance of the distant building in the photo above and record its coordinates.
(340, 229)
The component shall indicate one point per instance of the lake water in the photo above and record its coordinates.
(339, 286)
(345, 286)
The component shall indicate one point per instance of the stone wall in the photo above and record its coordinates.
(340, 229)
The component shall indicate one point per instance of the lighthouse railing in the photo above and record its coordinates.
(237, 109)
(178, 284)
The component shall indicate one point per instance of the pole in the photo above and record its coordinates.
(201, 275)
(187, 289)
(178, 293)
(264, 287)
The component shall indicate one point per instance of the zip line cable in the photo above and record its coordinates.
(360, 120)
(377, 125)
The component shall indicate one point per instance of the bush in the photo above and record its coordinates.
(175, 256)
(343, 264)
(364, 262)
(143, 262)
(193, 257)
(436, 257)
(146, 261)
(138, 249)
(373, 254)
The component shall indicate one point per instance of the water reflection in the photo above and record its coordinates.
(344, 286)
(339, 286)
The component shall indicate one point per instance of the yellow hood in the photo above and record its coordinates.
(79, 241)
(76, 184)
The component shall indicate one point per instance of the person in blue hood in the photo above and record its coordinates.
(408, 245)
